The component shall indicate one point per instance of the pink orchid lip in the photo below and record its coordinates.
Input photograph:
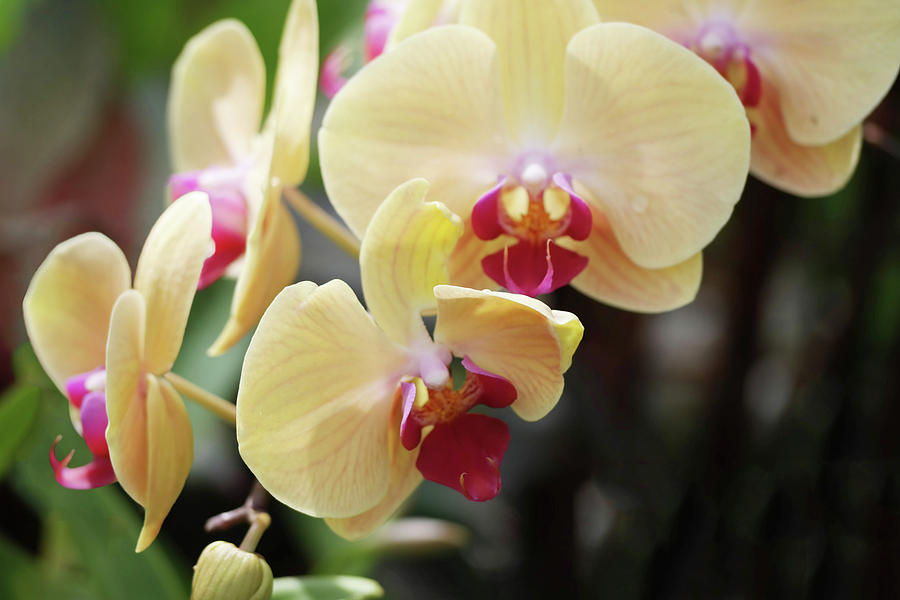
(465, 454)
(86, 391)
(331, 76)
(97, 473)
(229, 217)
(77, 385)
(380, 20)
(526, 268)
(463, 451)
(533, 267)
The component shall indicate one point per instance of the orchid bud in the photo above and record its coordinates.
(225, 572)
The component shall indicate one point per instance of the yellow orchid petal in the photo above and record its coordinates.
(271, 260)
(465, 261)
(216, 97)
(832, 61)
(126, 395)
(315, 400)
(417, 16)
(513, 336)
(657, 136)
(403, 256)
(170, 453)
(404, 479)
(612, 278)
(69, 301)
(429, 108)
(531, 42)
(295, 92)
(800, 170)
(167, 274)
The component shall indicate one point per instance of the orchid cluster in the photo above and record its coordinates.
(486, 145)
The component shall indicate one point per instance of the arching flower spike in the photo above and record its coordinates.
(340, 414)
(218, 146)
(605, 155)
(106, 346)
(807, 71)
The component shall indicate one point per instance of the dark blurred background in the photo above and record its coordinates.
(745, 446)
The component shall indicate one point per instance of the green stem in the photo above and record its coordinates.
(319, 218)
(218, 406)
(259, 522)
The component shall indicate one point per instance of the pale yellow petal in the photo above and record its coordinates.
(404, 479)
(612, 278)
(417, 16)
(126, 395)
(271, 260)
(403, 256)
(69, 301)
(295, 92)
(465, 261)
(832, 61)
(429, 108)
(167, 274)
(216, 97)
(800, 170)
(512, 336)
(314, 405)
(170, 452)
(657, 136)
(531, 42)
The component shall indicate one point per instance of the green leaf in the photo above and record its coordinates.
(321, 587)
(18, 411)
(11, 14)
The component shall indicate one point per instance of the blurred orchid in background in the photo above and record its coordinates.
(807, 71)
(386, 23)
(605, 155)
(106, 347)
(333, 402)
(215, 109)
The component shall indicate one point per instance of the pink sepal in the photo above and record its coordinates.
(465, 455)
(97, 473)
(485, 213)
(496, 391)
(410, 429)
(533, 270)
(580, 221)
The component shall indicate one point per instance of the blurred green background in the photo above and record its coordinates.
(744, 446)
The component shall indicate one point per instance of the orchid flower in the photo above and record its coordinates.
(214, 114)
(386, 23)
(341, 414)
(106, 346)
(605, 155)
(807, 71)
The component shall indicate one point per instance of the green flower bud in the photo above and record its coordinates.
(226, 572)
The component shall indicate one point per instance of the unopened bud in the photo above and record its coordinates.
(225, 572)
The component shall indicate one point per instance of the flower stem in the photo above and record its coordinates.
(218, 406)
(319, 218)
(259, 522)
